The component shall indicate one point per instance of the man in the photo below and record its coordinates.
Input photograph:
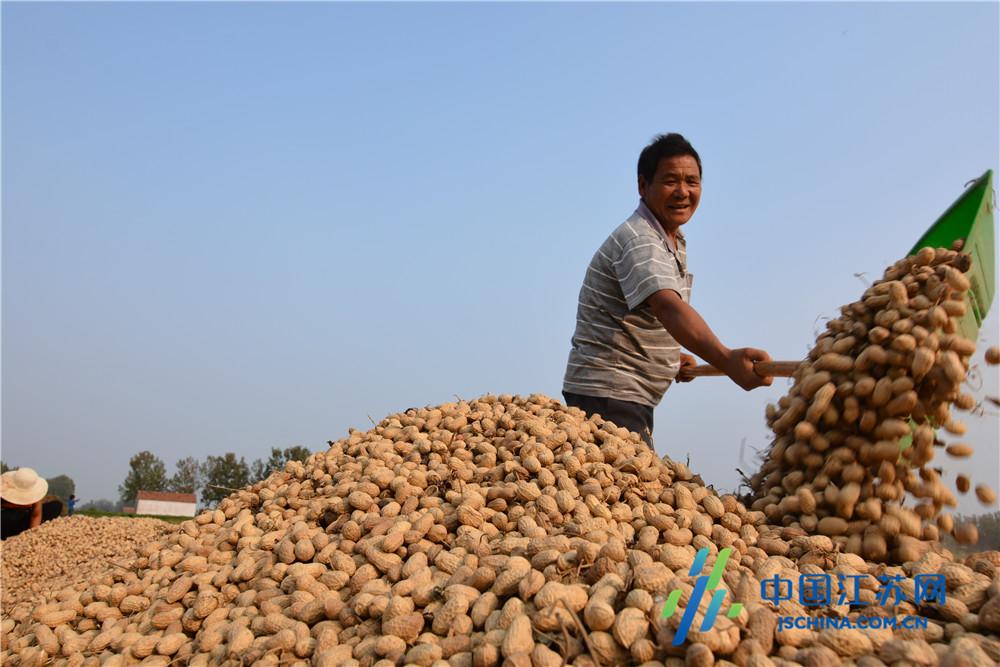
(633, 315)
(21, 494)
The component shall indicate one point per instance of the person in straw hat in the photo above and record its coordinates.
(21, 494)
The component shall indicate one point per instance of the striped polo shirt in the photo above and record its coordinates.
(619, 349)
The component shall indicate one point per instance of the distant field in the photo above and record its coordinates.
(169, 519)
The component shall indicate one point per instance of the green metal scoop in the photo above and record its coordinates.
(970, 219)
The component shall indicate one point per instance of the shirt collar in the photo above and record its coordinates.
(647, 215)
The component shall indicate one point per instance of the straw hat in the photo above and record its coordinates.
(22, 486)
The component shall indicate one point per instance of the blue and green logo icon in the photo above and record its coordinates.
(702, 584)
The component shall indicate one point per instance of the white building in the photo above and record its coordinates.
(166, 504)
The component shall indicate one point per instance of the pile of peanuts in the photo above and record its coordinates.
(504, 530)
(70, 550)
(515, 531)
(890, 368)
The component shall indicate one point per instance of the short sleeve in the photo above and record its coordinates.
(644, 268)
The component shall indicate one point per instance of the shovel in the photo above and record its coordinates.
(781, 369)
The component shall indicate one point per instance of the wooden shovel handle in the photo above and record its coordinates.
(781, 369)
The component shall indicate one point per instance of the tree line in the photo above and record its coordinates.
(215, 477)
(988, 525)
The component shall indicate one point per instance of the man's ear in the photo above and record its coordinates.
(642, 185)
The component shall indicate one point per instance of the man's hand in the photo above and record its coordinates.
(691, 331)
(687, 361)
(740, 369)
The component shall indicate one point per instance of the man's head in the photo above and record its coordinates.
(22, 487)
(670, 179)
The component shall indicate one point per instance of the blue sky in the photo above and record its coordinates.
(228, 227)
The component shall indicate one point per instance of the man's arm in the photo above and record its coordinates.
(693, 333)
(36, 515)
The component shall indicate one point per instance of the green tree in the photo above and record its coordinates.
(61, 487)
(221, 474)
(261, 468)
(146, 473)
(988, 525)
(187, 478)
(101, 505)
(297, 453)
(4, 467)
(278, 459)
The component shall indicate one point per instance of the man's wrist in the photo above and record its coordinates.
(721, 359)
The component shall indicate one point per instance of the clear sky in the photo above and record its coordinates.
(228, 227)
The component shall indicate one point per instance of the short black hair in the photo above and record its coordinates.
(664, 146)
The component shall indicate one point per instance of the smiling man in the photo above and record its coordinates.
(633, 316)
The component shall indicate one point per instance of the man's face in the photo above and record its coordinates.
(674, 192)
